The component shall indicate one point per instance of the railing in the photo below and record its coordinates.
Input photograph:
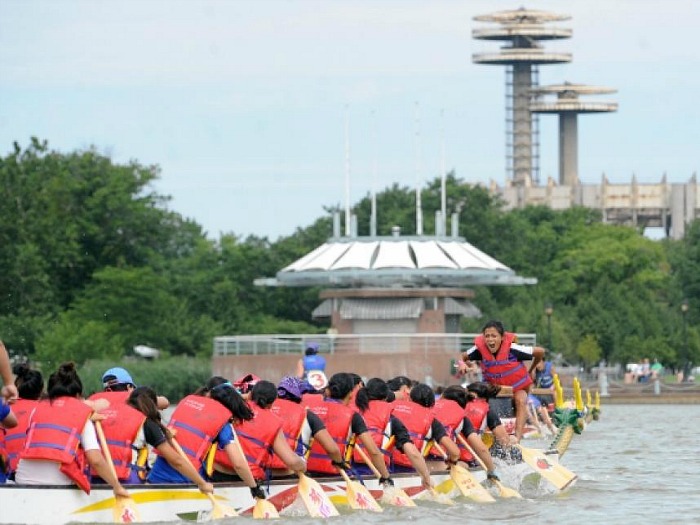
(363, 344)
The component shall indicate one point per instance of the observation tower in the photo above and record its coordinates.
(568, 106)
(522, 30)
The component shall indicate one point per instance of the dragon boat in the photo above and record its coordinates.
(58, 505)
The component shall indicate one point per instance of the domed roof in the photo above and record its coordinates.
(396, 262)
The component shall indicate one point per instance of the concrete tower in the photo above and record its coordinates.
(568, 106)
(523, 30)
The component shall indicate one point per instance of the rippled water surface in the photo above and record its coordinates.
(638, 464)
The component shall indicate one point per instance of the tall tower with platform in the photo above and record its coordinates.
(568, 106)
(523, 31)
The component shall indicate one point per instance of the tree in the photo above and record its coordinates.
(589, 351)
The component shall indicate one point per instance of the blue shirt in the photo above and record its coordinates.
(163, 472)
(4, 410)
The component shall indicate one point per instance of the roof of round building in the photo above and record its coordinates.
(396, 262)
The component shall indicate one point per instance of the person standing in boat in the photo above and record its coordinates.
(61, 438)
(312, 367)
(30, 387)
(501, 359)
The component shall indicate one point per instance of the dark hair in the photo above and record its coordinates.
(340, 385)
(118, 387)
(375, 390)
(423, 395)
(264, 394)
(397, 382)
(483, 390)
(220, 389)
(498, 325)
(145, 400)
(357, 379)
(29, 383)
(65, 382)
(456, 393)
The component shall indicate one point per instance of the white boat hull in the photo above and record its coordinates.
(53, 505)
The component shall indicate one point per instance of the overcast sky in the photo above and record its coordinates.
(243, 104)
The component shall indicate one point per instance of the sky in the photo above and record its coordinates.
(258, 112)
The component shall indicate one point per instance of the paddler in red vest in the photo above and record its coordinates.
(482, 416)
(61, 439)
(261, 436)
(375, 404)
(300, 426)
(154, 433)
(418, 417)
(345, 426)
(201, 423)
(123, 426)
(450, 411)
(30, 386)
(501, 359)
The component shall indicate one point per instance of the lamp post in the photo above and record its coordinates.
(549, 310)
(686, 357)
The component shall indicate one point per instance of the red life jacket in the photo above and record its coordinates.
(417, 419)
(451, 415)
(16, 437)
(311, 400)
(338, 420)
(503, 368)
(197, 421)
(377, 419)
(256, 436)
(477, 410)
(293, 416)
(121, 426)
(54, 435)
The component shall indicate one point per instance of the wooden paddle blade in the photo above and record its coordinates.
(315, 498)
(126, 511)
(507, 492)
(359, 498)
(556, 474)
(398, 497)
(219, 510)
(469, 486)
(264, 510)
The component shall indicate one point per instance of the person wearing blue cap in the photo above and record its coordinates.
(312, 367)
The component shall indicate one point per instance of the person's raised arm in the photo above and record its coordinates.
(9, 390)
(537, 356)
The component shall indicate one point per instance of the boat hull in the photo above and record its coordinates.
(54, 505)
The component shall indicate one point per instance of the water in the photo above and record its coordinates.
(638, 464)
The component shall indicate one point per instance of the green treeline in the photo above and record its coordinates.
(93, 262)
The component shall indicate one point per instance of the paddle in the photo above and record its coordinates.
(503, 491)
(125, 509)
(263, 508)
(392, 495)
(467, 484)
(315, 498)
(556, 474)
(218, 510)
(358, 496)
